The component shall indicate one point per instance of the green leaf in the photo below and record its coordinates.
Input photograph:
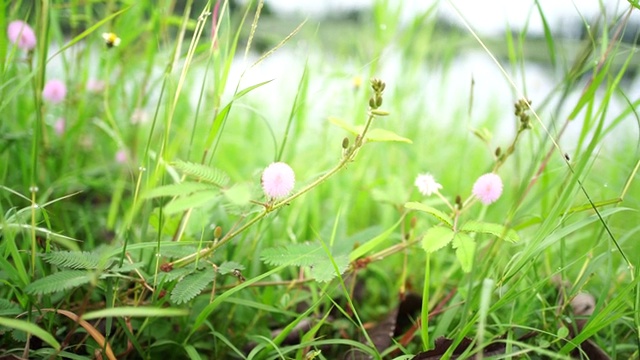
(132, 311)
(563, 332)
(196, 200)
(192, 285)
(325, 272)
(431, 211)
(9, 308)
(382, 135)
(238, 194)
(73, 259)
(174, 274)
(203, 172)
(311, 255)
(294, 254)
(498, 230)
(229, 266)
(373, 243)
(31, 328)
(183, 188)
(379, 135)
(342, 124)
(59, 281)
(127, 267)
(436, 237)
(465, 250)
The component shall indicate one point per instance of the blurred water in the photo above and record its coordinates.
(441, 94)
(488, 17)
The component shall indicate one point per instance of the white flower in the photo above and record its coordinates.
(427, 184)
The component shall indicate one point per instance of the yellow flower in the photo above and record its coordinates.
(111, 39)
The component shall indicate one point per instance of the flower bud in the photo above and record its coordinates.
(345, 143)
(378, 101)
(217, 232)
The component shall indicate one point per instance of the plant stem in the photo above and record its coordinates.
(349, 157)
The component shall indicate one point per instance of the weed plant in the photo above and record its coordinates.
(163, 194)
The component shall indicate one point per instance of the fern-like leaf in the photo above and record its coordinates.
(7, 308)
(192, 285)
(59, 281)
(325, 272)
(228, 267)
(73, 259)
(294, 254)
(174, 274)
(203, 172)
(183, 188)
(126, 268)
(311, 255)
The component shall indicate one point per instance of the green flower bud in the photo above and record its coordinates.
(378, 101)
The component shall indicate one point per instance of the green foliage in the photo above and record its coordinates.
(465, 248)
(73, 259)
(7, 308)
(375, 135)
(431, 211)
(306, 255)
(228, 267)
(60, 281)
(191, 285)
(195, 200)
(204, 173)
(436, 238)
(168, 221)
(497, 230)
(180, 189)
(32, 329)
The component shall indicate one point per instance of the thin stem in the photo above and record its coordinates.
(349, 157)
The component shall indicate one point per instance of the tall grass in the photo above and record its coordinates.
(141, 229)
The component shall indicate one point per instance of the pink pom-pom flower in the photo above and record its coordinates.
(22, 35)
(278, 180)
(59, 126)
(488, 188)
(54, 91)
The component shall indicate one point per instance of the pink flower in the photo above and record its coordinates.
(21, 34)
(59, 126)
(278, 180)
(121, 156)
(95, 86)
(54, 91)
(488, 188)
(427, 184)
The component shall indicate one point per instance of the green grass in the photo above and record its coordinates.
(178, 253)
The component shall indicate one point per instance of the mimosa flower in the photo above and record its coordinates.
(488, 188)
(59, 126)
(427, 184)
(21, 34)
(54, 91)
(278, 180)
(121, 156)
